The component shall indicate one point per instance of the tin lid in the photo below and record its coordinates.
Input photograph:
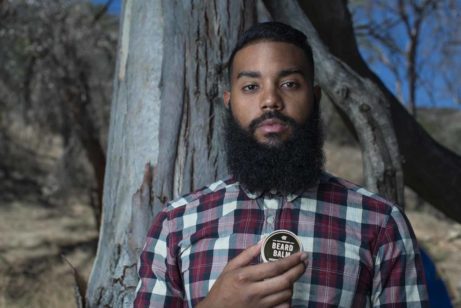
(280, 244)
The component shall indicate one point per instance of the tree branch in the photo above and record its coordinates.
(431, 170)
(360, 99)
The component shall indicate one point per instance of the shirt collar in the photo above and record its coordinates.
(271, 194)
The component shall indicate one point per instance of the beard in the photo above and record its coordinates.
(288, 167)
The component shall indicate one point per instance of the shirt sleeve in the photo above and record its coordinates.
(160, 284)
(398, 271)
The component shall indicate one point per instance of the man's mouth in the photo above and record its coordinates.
(272, 125)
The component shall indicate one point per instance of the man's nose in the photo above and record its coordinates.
(271, 100)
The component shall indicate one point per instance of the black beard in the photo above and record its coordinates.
(287, 167)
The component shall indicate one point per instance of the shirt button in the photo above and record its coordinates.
(270, 219)
(271, 203)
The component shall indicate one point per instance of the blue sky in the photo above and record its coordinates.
(432, 89)
(115, 7)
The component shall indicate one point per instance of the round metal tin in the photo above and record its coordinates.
(280, 244)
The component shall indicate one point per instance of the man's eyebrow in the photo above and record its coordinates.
(291, 71)
(282, 73)
(251, 74)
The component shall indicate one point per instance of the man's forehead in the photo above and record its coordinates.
(268, 56)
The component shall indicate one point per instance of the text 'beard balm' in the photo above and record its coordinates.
(280, 244)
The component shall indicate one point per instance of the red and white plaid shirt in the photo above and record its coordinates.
(362, 250)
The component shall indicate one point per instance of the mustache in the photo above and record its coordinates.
(271, 115)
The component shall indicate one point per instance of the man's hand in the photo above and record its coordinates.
(262, 285)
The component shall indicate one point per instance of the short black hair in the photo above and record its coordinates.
(273, 31)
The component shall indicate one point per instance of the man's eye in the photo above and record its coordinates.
(290, 85)
(250, 87)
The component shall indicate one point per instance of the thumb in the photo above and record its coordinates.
(244, 258)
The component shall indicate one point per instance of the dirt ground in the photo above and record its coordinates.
(35, 237)
(34, 242)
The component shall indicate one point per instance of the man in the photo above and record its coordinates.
(203, 249)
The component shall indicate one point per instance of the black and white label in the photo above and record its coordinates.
(280, 244)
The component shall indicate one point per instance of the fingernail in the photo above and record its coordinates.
(304, 257)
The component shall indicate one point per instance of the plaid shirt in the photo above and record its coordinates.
(362, 250)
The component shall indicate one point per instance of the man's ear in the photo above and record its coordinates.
(317, 93)
(226, 96)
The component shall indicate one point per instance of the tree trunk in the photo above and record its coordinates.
(133, 141)
(198, 37)
(431, 170)
(193, 80)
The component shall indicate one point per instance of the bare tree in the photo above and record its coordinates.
(417, 41)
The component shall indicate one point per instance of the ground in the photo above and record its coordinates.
(34, 242)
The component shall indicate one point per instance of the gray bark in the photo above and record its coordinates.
(198, 37)
(133, 141)
(193, 80)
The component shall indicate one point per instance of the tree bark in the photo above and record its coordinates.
(133, 141)
(193, 80)
(430, 169)
(198, 37)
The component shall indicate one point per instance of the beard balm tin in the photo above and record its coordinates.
(280, 244)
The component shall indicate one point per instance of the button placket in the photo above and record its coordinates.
(270, 206)
(270, 219)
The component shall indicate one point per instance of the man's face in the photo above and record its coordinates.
(270, 77)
